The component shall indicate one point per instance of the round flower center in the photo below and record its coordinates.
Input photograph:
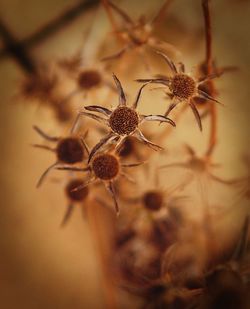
(77, 195)
(105, 166)
(89, 79)
(124, 120)
(183, 86)
(153, 200)
(70, 150)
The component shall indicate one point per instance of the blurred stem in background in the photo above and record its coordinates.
(19, 50)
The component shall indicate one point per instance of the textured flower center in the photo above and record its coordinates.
(89, 79)
(70, 150)
(76, 195)
(124, 120)
(183, 86)
(105, 166)
(153, 200)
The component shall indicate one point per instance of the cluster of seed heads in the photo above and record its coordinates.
(106, 162)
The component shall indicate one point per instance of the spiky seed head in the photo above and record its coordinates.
(70, 150)
(124, 120)
(153, 200)
(183, 86)
(105, 166)
(89, 79)
(76, 195)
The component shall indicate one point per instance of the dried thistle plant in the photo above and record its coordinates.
(105, 167)
(137, 35)
(158, 252)
(123, 121)
(183, 87)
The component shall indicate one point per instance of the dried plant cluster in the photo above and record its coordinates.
(165, 251)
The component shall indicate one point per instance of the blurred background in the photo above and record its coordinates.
(41, 265)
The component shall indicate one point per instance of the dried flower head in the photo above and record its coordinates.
(137, 35)
(183, 87)
(43, 87)
(123, 121)
(198, 166)
(89, 79)
(153, 200)
(74, 196)
(105, 167)
(69, 150)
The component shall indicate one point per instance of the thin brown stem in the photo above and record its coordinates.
(16, 50)
(19, 49)
(99, 220)
(208, 34)
(209, 71)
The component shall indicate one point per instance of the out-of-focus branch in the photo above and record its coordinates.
(19, 49)
(16, 50)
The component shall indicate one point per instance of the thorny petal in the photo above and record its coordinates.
(45, 173)
(111, 190)
(67, 215)
(85, 146)
(154, 81)
(204, 95)
(85, 184)
(170, 108)
(122, 98)
(99, 109)
(158, 118)
(44, 135)
(135, 105)
(181, 67)
(73, 168)
(206, 78)
(106, 140)
(95, 117)
(43, 147)
(132, 164)
(142, 138)
(169, 62)
(196, 114)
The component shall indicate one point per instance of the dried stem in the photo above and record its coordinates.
(209, 70)
(18, 49)
(95, 215)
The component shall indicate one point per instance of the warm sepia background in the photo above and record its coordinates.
(42, 266)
